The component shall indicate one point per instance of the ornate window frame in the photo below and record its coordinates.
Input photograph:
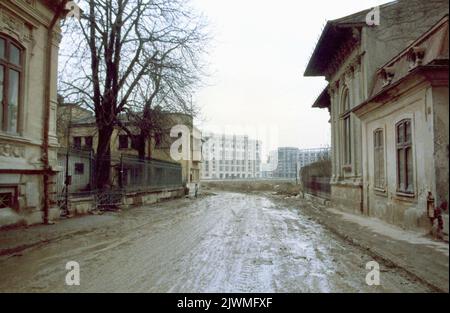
(402, 147)
(379, 159)
(346, 126)
(7, 67)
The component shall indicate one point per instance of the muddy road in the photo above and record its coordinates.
(227, 242)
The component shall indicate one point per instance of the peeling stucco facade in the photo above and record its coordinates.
(350, 68)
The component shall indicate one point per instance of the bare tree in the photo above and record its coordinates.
(126, 57)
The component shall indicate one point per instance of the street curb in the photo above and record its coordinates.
(22, 247)
(17, 249)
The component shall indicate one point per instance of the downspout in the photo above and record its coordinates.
(47, 78)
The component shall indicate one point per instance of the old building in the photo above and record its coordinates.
(161, 150)
(67, 114)
(405, 133)
(79, 130)
(29, 40)
(231, 157)
(349, 54)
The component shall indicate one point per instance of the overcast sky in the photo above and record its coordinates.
(259, 53)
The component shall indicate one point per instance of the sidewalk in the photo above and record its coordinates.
(417, 254)
(14, 241)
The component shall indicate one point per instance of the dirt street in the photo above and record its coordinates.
(227, 242)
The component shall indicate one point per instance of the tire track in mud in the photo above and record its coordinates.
(228, 242)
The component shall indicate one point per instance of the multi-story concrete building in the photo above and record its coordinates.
(268, 168)
(287, 163)
(231, 157)
(308, 156)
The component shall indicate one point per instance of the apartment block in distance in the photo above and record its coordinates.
(309, 156)
(287, 163)
(231, 157)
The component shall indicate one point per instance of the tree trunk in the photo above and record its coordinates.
(141, 146)
(103, 160)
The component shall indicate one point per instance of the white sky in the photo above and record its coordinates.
(259, 52)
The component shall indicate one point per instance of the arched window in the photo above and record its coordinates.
(405, 172)
(11, 68)
(345, 101)
(346, 125)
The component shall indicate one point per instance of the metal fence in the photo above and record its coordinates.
(129, 174)
(138, 175)
(318, 186)
(77, 167)
(76, 176)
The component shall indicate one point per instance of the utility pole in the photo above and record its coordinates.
(67, 176)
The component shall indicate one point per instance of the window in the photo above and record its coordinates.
(378, 148)
(347, 130)
(135, 145)
(79, 168)
(123, 142)
(10, 84)
(77, 142)
(405, 173)
(6, 199)
(88, 142)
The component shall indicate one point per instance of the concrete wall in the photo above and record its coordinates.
(441, 142)
(441, 149)
(85, 205)
(347, 197)
(137, 199)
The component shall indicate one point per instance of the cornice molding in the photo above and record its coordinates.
(27, 11)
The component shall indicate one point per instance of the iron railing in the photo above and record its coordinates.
(77, 172)
(138, 175)
(130, 174)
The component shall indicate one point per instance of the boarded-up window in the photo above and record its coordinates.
(405, 172)
(378, 150)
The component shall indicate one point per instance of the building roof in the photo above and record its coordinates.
(434, 46)
(54, 4)
(428, 52)
(334, 35)
(288, 149)
(176, 117)
(323, 101)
